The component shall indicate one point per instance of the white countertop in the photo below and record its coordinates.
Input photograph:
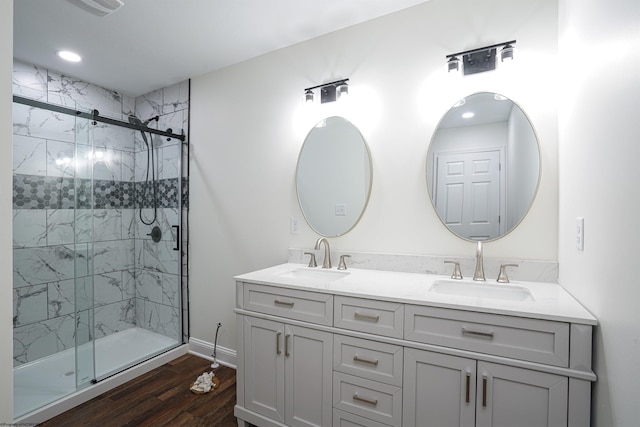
(550, 300)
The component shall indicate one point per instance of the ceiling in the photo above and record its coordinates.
(149, 44)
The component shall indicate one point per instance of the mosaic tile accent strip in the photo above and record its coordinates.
(114, 194)
(41, 192)
(85, 195)
(166, 193)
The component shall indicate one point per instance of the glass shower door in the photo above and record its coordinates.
(83, 247)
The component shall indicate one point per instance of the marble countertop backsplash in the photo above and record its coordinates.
(527, 270)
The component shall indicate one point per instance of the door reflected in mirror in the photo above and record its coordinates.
(483, 167)
(333, 178)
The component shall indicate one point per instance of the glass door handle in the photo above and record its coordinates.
(177, 227)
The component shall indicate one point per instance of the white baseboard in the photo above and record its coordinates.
(204, 349)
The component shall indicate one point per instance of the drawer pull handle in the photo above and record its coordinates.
(278, 343)
(484, 391)
(286, 345)
(366, 317)
(468, 390)
(285, 303)
(373, 402)
(477, 333)
(361, 360)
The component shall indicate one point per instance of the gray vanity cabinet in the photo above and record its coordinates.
(309, 356)
(509, 396)
(288, 372)
(439, 389)
(446, 390)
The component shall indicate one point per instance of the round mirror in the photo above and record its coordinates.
(483, 167)
(333, 179)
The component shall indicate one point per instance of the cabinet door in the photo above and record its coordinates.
(439, 390)
(264, 367)
(508, 396)
(308, 376)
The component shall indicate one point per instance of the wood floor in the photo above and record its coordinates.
(160, 398)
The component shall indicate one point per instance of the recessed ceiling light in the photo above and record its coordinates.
(69, 56)
(467, 115)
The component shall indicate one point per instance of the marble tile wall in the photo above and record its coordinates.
(79, 242)
(158, 284)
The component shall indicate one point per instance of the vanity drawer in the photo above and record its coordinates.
(290, 303)
(541, 341)
(345, 419)
(374, 317)
(368, 359)
(369, 399)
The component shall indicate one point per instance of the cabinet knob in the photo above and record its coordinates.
(286, 345)
(373, 402)
(484, 391)
(357, 358)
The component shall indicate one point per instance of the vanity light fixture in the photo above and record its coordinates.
(342, 90)
(329, 92)
(480, 60)
(507, 52)
(453, 64)
(308, 95)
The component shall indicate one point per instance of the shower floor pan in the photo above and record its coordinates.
(49, 379)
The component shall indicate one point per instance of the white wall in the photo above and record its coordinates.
(6, 190)
(249, 122)
(599, 176)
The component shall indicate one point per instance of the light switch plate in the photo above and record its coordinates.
(295, 225)
(580, 233)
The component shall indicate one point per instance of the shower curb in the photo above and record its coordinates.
(47, 412)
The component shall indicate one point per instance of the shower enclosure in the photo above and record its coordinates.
(98, 206)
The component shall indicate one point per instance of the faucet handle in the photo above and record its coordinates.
(343, 265)
(502, 276)
(457, 274)
(312, 260)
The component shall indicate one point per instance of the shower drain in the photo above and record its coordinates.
(68, 374)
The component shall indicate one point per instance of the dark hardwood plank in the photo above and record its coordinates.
(160, 398)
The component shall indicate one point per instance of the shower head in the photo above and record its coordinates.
(136, 121)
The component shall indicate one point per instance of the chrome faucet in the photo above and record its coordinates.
(326, 263)
(478, 275)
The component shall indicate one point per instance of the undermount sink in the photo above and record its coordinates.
(315, 274)
(481, 290)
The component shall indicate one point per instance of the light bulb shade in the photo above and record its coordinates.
(507, 53)
(453, 64)
(308, 95)
(342, 90)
